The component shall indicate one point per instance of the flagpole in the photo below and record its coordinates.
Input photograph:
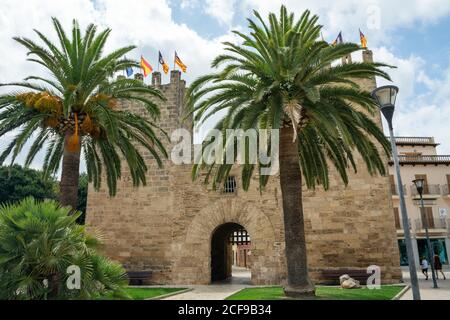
(174, 59)
(125, 70)
(142, 70)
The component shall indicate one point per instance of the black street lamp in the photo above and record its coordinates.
(386, 97)
(420, 184)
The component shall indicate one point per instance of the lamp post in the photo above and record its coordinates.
(420, 183)
(385, 98)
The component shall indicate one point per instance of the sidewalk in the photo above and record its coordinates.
(217, 291)
(426, 287)
(241, 280)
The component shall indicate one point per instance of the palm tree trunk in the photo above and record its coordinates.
(70, 175)
(298, 282)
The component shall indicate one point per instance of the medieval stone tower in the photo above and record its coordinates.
(179, 229)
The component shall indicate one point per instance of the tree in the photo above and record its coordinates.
(283, 77)
(74, 111)
(17, 183)
(82, 197)
(41, 248)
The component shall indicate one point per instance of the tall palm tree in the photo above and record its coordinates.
(74, 111)
(284, 77)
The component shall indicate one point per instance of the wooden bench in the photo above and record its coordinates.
(331, 277)
(138, 278)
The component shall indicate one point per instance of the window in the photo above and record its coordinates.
(412, 154)
(393, 186)
(437, 245)
(391, 178)
(427, 216)
(240, 237)
(230, 185)
(425, 183)
(397, 219)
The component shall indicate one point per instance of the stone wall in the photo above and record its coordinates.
(166, 226)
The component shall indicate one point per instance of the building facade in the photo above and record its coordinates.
(419, 160)
(180, 230)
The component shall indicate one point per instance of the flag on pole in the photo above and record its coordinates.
(363, 39)
(146, 67)
(129, 71)
(163, 63)
(180, 63)
(339, 40)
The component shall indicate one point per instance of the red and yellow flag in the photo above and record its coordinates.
(180, 63)
(163, 63)
(339, 40)
(363, 39)
(146, 67)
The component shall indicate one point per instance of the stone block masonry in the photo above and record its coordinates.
(167, 225)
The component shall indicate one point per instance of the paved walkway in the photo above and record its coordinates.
(241, 280)
(426, 287)
(218, 290)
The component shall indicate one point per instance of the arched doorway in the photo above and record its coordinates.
(193, 254)
(230, 254)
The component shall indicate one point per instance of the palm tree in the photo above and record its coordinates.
(284, 77)
(39, 241)
(75, 110)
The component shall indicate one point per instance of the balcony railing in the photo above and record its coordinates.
(430, 189)
(399, 224)
(433, 224)
(415, 140)
(395, 190)
(445, 190)
(410, 159)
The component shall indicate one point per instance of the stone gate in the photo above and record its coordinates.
(167, 226)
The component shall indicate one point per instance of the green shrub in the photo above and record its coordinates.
(39, 241)
(17, 183)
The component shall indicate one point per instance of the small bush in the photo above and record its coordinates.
(39, 241)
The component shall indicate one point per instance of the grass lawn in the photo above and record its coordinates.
(325, 293)
(143, 293)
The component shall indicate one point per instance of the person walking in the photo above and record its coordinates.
(438, 266)
(424, 264)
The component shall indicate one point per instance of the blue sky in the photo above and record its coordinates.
(410, 34)
(421, 40)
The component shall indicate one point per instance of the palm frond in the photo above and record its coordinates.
(80, 87)
(283, 62)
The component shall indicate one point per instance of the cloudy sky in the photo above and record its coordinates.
(410, 34)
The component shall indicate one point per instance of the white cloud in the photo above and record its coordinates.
(151, 28)
(149, 25)
(423, 107)
(429, 113)
(184, 4)
(350, 15)
(426, 120)
(406, 73)
(222, 11)
(356, 13)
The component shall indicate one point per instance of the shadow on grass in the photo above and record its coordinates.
(322, 293)
(142, 293)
